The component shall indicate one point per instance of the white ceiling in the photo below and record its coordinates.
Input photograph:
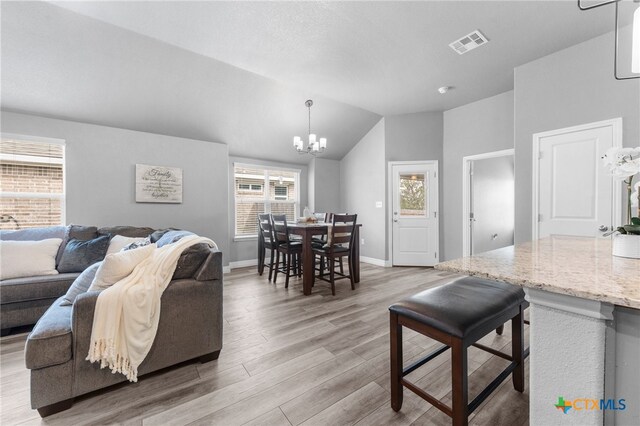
(239, 72)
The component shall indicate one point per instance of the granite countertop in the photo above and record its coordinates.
(576, 266)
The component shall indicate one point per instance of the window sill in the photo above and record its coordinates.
(245, 238)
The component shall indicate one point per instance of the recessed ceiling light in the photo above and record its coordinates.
(469, 42)
(444, 89)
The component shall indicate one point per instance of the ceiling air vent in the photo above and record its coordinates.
(469, 42)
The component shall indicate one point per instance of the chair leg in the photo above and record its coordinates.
(459, 391)
(500, 330)
(277, 266)
(261, 257)
(332, 275)
(271, 264)
(353, 286)
(299, 265)
(517, 350)
(341, 267)
(286, 281)
(396, 362)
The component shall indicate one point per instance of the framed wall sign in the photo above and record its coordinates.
(158, 184)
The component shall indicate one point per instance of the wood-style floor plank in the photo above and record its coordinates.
(287, 359)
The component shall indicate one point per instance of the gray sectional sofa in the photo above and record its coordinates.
(190, 326)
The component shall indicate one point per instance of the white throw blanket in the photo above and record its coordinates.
(126, 316)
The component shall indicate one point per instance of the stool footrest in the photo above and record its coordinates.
(424, 360)
(491, 387)
(493, 351)
(429, 398)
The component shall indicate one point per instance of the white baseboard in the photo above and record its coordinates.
(244, 263)
(226, 269)
(377, 262)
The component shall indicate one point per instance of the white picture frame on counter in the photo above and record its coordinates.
(158, 184)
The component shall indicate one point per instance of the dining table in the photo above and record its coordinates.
(307, 230)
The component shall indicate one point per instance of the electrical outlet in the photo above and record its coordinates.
(378, 204)
(362, 241)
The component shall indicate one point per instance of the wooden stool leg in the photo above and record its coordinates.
(459, 391)
(286, 281)
(500, 330)
(396, 362)
(517, 349)
(332, 275)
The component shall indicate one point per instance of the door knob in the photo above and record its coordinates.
(603, 228)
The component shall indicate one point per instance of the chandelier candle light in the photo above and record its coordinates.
(314, 146)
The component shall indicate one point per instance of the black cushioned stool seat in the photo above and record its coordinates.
(458, 314)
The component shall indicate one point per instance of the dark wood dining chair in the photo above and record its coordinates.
(265, 234)
(290, 250)
(339, 244)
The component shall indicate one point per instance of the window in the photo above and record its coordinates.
(261, 189)
(31, 182)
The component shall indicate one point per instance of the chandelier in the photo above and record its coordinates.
(314, 146)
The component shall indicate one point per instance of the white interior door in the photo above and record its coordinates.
(576, 195)
(415, 214)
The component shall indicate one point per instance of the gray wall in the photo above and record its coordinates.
(362, 179)
(476, 128)
(247, 248)
(570, 87)
(100, 176)
(416, 136)
(324, 185)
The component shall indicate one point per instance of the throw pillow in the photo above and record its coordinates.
(137, 244)
(117, 266)
(78, 232)
(37, 234)
(28, 258)
(80, 285)
(126, 231)
(119, 242)
(79, 255)
(172, 236)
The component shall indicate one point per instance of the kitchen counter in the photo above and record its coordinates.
(574, 266)
(585, 324)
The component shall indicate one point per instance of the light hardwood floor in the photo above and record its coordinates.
(288, 359)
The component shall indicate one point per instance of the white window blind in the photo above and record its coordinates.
(263, 190)
(31, 182)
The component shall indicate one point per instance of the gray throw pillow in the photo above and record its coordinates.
(78, 232)
(79, 255)
(80, 285)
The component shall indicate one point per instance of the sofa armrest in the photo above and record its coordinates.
(82, 322)
(211, 268)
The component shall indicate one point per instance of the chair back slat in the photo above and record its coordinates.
(343, 229)
(280, 229)
(265, 228)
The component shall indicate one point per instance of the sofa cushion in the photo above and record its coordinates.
(78, 232)
(190, 261)
(50, 341)
(126, 231)
(117, 266)
(79, 255)
(80, 285)
(37, 234)
(35, 288)
(28, 258)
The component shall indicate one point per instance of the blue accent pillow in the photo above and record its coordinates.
(172, 236)
(80, 285)
(79, 255)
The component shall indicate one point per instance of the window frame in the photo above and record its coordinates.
(63, 161)
(266, 194)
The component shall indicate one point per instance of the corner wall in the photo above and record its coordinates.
(362, 183)
(100, 176)
(475, 128)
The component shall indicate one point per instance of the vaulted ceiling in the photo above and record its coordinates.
(239, 72)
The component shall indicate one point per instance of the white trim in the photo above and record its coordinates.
(616, 128)
(374, 261)
(466, 162)
(390, 165)
(31, 159)
(261, 166)
(566, 303)
(226, 269)
(39, 195)
(28, 138)
(243, 263)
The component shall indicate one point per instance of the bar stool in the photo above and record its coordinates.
(458, 314)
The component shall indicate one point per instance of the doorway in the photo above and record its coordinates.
(573, 192)
(414, 213)
(488, 207)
